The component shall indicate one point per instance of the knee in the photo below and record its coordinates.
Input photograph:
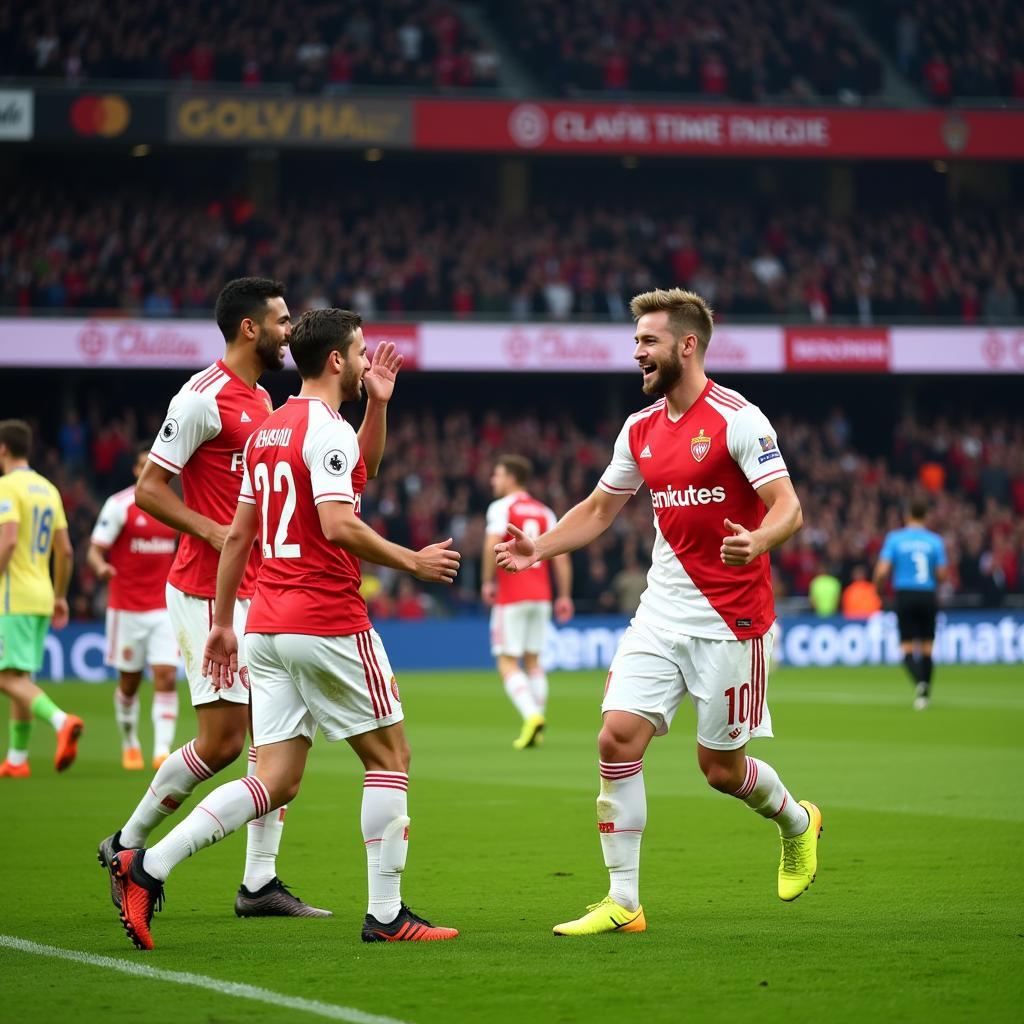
(614, 743)
(223, 750)
(722, 777)
(284, 792)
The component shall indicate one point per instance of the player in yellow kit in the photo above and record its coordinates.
(32, 526)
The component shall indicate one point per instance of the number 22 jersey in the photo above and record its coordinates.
(303, 454)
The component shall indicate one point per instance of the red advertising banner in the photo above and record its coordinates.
(716, 130)
(838, 349)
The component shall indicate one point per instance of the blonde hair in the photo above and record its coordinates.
(687, 312)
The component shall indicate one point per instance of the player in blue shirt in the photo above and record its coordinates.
(916, 558)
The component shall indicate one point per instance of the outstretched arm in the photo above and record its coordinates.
(577, 528)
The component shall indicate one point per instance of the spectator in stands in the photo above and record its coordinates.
(860, 599)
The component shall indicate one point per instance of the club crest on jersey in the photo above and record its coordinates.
(335, 462)
(700, 446)
(394, 689)
(169, 431)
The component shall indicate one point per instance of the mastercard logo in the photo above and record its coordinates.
(107, 116)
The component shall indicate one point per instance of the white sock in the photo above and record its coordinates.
(173, 782)
(165, 720)
(262, 842)
(621, 817)
(384, 800)
(57, 719)
(126, 711)
(517, 686)
(220, 813)
(763, 791)
(539, 688)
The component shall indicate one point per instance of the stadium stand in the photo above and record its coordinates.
(159, 254)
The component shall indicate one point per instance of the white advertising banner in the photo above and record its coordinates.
(17, 115)
(957, 350)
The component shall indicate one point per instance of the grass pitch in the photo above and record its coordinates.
(917, 913)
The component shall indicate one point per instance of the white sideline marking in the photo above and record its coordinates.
(224, 988)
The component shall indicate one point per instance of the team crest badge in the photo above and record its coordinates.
(127, 654)
(394, 689)
(243, 676)
(700, 446)
(767, 444)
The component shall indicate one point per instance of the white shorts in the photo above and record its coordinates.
(138, 639)
(342, 684)
(520, 628)
(192, 618)
(726, 680)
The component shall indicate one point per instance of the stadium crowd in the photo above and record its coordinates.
(746, 50)
(312, 45)
(161, 254)
(434, 483)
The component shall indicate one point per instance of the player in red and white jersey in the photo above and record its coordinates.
(521, 603)
(202, 440)
(314, 659)
(133, 552)
(713, 466)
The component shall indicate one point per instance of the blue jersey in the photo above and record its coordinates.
(915, 554)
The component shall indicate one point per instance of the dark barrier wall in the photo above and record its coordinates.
(967, 638)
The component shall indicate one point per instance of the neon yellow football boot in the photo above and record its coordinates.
(799, 863)
(532, 728)
(606, 916)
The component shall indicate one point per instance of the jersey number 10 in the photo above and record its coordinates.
(283, 481)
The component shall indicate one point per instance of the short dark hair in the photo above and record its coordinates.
(518, 465)
(17, 436)
(918, 508)
(318, 333)
(241, 299)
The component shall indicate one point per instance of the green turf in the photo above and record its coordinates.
(917, 913)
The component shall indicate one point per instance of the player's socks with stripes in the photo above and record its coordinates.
(18, 733)
(385, 825)
(217, 815)
(262, 842)
(174, 781)
(44, 708)
(165, 720)
(621, 818)
(517, 686)
(763, 791)
(126, 711)
(539, 689)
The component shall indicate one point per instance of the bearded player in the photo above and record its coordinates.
(202, 440)
(713, 466)
(315, 661)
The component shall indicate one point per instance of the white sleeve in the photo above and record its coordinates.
(245, 492)
(192, 419)
(331, 452)
(111, 522)
(623, 475)
(754, 445)
(497, 518)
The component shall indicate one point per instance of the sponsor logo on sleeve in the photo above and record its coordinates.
(6, 505)
(169, 431)
(335, 463)
(767, 443)
(769, 455)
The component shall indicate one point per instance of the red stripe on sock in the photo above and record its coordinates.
(194, 763)
(260, 796)
(785, 800)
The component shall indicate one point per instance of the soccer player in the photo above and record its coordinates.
(916, 558)
(133, 552)
(202, 439)
(315, 661)
(32, 526)
(712, 463)
(521, 604)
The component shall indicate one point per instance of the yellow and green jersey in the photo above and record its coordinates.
(31, 501)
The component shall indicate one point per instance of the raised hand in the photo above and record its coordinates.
(516, 554)
(437, 563)
(379, 380)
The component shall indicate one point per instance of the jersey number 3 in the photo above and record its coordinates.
(283, 481)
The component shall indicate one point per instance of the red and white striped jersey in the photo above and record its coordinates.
(701, 469)
(140, 548)
(533, 518)
(303, 454)
(203, 437)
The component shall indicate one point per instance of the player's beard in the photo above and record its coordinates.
(351, 384)
(270, 353)
(665, 377)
